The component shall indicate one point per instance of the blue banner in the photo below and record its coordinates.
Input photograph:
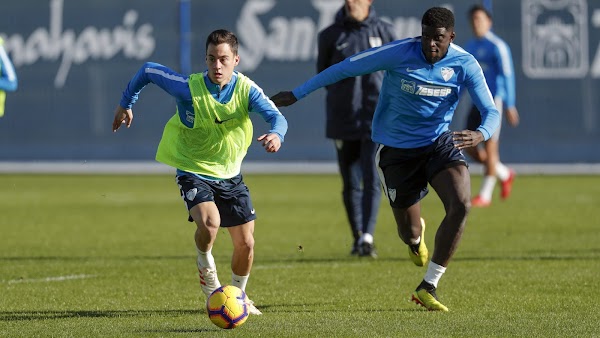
(74, 58)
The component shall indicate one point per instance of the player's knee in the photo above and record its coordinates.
(210, 224)
(467, 204)
(245, 243)
(460, 209)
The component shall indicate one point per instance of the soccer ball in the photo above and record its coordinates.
(227, 307)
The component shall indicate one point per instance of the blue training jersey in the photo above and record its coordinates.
(417, 99)
(494, 57)
(177, 86)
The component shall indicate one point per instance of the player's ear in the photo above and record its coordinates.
(452, 36)
(236, 60)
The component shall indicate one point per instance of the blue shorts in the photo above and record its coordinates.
(405, 173)
(474, 118)
(231, 196)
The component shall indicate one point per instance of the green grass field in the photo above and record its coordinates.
(113, 256)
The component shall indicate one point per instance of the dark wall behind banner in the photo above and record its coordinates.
(74, 58)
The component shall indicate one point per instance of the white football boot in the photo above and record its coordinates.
(252, 309)
(209, 281)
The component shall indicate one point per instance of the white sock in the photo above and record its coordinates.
(366, 238)
(205, 259)
(415, 241)
(434, 273)
(502, 171)
(487, 188)
(239, 281)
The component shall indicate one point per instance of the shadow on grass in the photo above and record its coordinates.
(200, 330)
(304, 307)
(535, 255)
(88, 258)
(44, 315)
(584, 254)
(55, 314)
(58, 315)
(549, 257)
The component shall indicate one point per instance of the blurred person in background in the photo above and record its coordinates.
(206, 141)
(420, 92)
(8, 77)
(350, 105)
(494, 57)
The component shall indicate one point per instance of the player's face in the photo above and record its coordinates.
(435, 42)
(480, 23)
(358, 9)
(220, 61)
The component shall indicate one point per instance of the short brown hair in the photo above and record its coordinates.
(223, 36)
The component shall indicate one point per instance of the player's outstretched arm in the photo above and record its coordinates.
(284, 99)
(122, 115)
(271, 142)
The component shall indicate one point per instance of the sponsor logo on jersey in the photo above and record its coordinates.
(408, 86)
(433, 91)
(412, 87)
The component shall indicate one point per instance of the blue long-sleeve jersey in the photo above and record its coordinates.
(417, 99)
(495, 58)
(176, 85)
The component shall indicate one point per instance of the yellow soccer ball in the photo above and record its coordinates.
(227, 307)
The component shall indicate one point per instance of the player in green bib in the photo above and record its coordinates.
(206, 141)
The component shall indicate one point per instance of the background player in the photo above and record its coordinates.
(494, 56)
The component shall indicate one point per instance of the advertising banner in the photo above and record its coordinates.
(74, 58)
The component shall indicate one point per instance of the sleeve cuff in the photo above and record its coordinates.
(486, 134)
(298, 94)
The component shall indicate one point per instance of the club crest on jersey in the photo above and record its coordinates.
(375, 41)
(447, 73)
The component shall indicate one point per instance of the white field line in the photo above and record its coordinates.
(48, 279)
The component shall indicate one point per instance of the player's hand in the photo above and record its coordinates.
(466, 138)
(284, 99)
(270, 142)
(512, 116)
(122, 115)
